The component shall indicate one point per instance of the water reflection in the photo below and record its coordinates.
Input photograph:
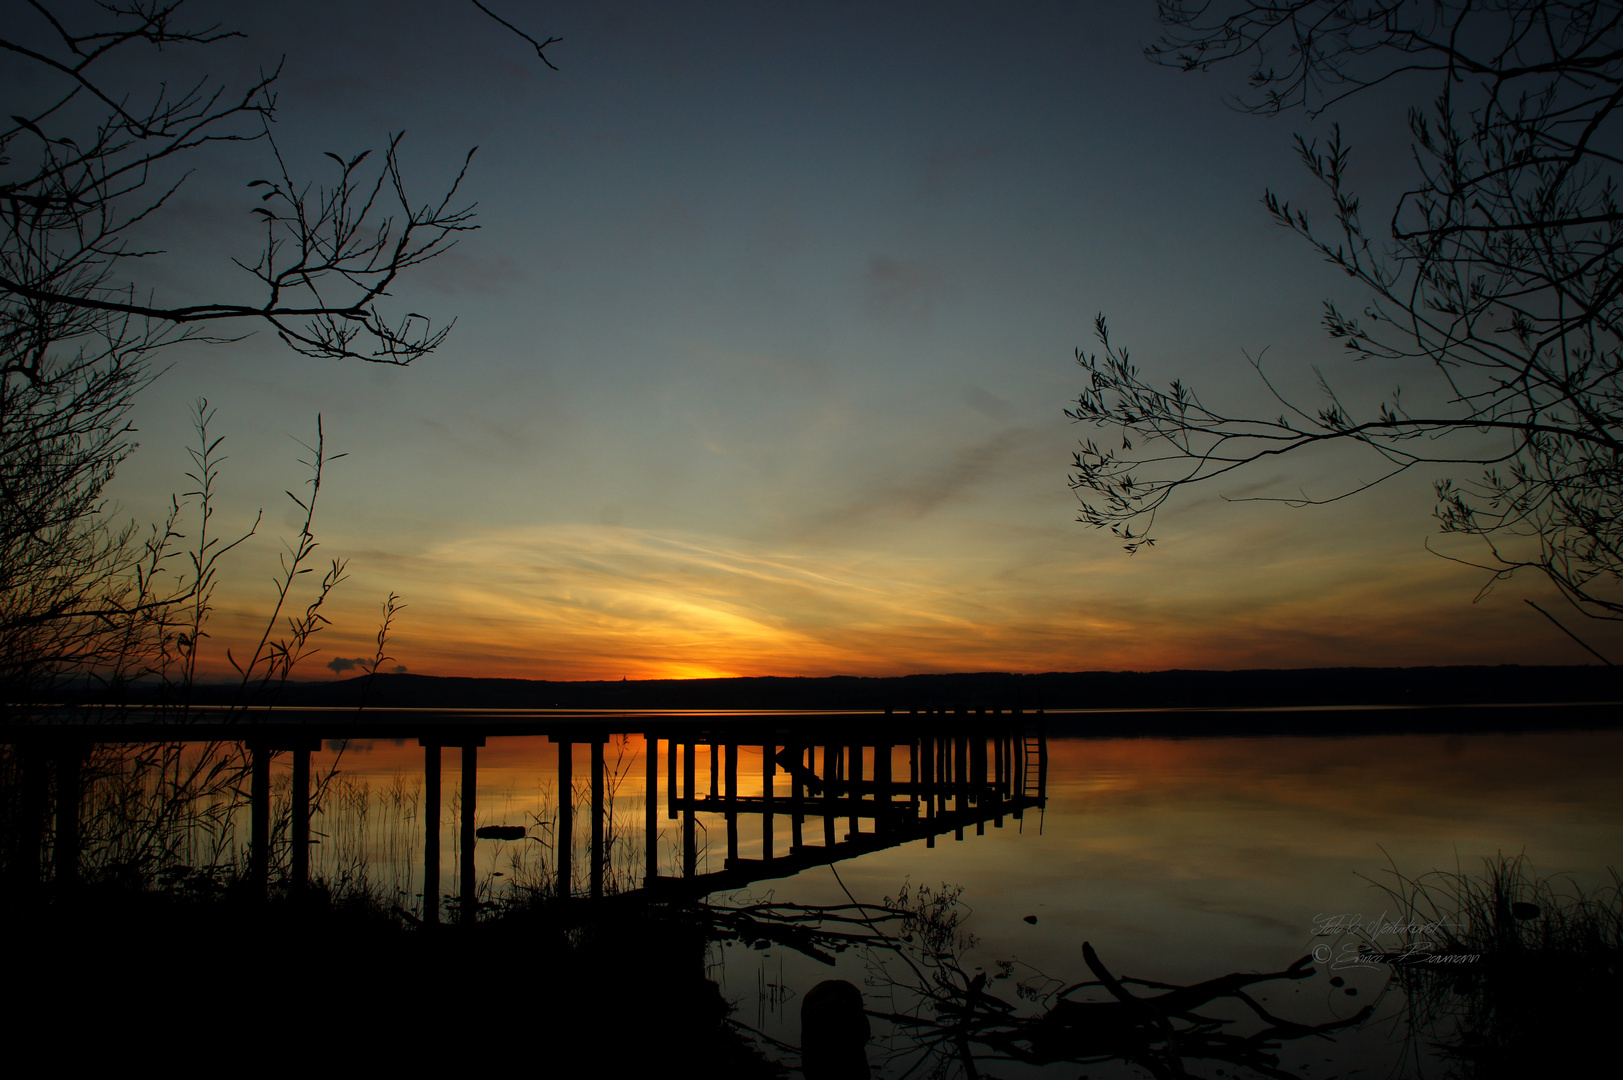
(1182, 860)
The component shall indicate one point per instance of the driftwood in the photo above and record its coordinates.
(1158, 1032)
(1157, 1026)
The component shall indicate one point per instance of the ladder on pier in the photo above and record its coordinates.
(1034, 759)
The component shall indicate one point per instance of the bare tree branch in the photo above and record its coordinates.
(1501, 274)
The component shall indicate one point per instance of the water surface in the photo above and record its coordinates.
(1178, 859)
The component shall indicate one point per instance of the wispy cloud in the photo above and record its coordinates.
(918, 492)
(462, 271)
(945, 163)
(589, 601)
(898, 289)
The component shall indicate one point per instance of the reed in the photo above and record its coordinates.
(1510, 973)
(165, 816)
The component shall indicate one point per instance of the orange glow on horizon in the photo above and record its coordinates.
(580, 603)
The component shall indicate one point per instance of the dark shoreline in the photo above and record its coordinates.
(1050, 691)
(450, 727)
(1339, 722)
(1332, 702)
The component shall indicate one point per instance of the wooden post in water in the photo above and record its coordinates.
(564, 841)
(24, 860)
(930, 773)
(943, 772)
(960, 775)
(830, 786)
(997, 760)
(69, 761)
(882, 792)
(670, 779)
(690, 841)
(977, 763)
(978, 758)
(1042, 762)
(1005, 759)
(470, 807)
(599, 809)
(929, 776)
(913, 773)
(301, 817)
(715, 769)
(769, 770)
(855, 818)
(651, 809)
(961, 770)
(797, 792)
(730, 787)
(431, 831)
(259, 817)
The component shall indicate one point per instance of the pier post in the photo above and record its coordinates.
(690, 841)
(24, 859)
(730, 788)
(259, 817)
(854, 820)
(932, 762)
(470, 840)
(978, 762)
(961, 770)
(651, 809)
(564, 839)
(301, 817)
(1042, 763)
(769, 770)
(997, 761)
(943, 771)
(797, 792)
(913, 773)
(70, 757)
(977, 765)
(670, 778)
(598, 810)
(882, 787)
(431, 831)
(830, 786)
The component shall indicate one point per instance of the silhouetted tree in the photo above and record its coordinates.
(100, 142)
(1498, 269)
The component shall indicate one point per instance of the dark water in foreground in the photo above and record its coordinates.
(1177, 859)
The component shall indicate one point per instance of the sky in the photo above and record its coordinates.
(763, 346)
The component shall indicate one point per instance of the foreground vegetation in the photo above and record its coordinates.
(1543, 989)
(347, 983)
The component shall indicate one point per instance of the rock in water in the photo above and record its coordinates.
(501, 832)
(834, 1032)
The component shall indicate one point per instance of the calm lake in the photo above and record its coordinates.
(1178, 859)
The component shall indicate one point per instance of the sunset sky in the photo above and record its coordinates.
(764, 344)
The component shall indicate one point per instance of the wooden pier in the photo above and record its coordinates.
(871, 781)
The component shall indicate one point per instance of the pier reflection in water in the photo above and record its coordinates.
(785, 802)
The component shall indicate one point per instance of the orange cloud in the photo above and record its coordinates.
(605, 602)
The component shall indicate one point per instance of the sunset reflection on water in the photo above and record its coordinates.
(1179, 859)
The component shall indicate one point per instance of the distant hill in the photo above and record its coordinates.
(1506, 684)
